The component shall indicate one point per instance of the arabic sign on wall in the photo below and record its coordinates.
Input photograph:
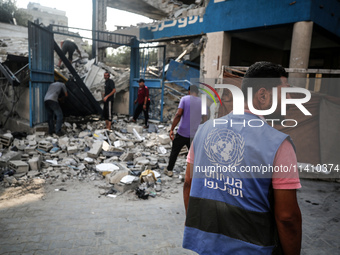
(244, 14)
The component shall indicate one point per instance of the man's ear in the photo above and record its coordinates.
(262, 95)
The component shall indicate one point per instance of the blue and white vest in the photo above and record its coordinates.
(229, 208)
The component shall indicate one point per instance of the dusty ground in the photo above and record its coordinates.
(32, 190)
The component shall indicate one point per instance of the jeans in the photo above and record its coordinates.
(53, 108)
(177, 145)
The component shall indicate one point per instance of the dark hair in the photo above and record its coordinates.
(141, 80)
(193, 89)
(270, 71)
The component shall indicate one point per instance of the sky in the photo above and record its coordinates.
(79, 13)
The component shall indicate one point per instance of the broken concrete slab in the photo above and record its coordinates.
(129, 179)
(10, 155)
(106, 167)
(95, 150)
(130, 128)
(126, 156)
(164, 139)
(115, 176)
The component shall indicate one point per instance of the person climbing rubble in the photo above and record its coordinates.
(69, 46)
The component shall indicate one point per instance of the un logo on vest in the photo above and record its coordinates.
(224, 147)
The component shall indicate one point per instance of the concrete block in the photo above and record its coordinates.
(6, 139)
(164, 139)
(35, 163)
(11, 155)
(149, 144)
(29, 149)
(44, 145)
(95, 150)
(72, 149)
(130, 128)
(139, 159)
(25, 157)
(115, 176)
(19, 166)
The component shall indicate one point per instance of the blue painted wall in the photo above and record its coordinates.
(232, 15)
(327, 15)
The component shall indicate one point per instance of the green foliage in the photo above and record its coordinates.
(9, 10)
(121, 57)
(22, 17)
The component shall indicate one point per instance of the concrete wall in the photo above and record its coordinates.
(121, 103)
(47, 15)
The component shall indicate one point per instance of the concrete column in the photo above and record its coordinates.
(101, 20)
(216, 54)
(300, 49)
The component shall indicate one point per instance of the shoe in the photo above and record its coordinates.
(132, 120)
(60, 133)
(147, 126)
(168, 173)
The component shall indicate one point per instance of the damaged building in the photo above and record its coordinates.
(197, 40)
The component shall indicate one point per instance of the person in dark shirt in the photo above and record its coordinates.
(143, 101)
(68, 46)
(52, 106)
(108, 99)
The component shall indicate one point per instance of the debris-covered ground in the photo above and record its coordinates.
(116, 158)
(125, 159)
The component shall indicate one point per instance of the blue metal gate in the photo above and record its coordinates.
(41, 65)
(154, 81)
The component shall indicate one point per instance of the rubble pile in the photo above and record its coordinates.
(17, 46)
(125, 158)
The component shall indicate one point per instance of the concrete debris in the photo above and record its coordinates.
(164, 139)
(106, 167)
(86, 148)
(85, 153)
(128, 179)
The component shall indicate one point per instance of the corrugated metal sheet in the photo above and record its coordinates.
(41, 65)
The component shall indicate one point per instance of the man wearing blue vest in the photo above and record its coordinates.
(237, 197)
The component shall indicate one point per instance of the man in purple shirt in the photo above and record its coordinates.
(189, 116)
